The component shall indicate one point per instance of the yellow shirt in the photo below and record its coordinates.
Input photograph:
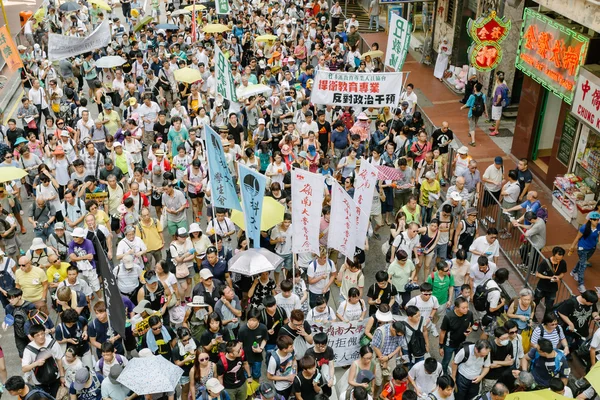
(62, 272)
(151, 235)
(31, 283)
(121, 163)
(427, 189)
(102, 218)
(114, 121)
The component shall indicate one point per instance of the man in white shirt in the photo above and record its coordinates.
(321, 275)
(486, 246)
(352, 21)
(37, 97)
(29, 361)
(471, 364)
(411, 97)
(492, 180)
(423, 376)
(148, 112)
(83, 127)
(287, 299)
(321, 312)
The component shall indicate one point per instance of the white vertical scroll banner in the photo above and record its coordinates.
(343, 219)
(307, 199)
(364, 187)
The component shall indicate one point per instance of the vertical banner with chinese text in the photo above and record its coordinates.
(252, 188)
(223, 7)
(112, 296)
(225, 85)
(365, 184)
(9, 50)
(343, 218)
(222, 186)
(398, 41)
(307, 198)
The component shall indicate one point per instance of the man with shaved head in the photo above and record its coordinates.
(441, 139)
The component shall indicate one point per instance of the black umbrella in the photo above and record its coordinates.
(69, 6)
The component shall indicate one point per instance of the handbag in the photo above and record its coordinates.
(526, 339)
(55, 107)
(410, 286)
(181, 271)
(32, 124)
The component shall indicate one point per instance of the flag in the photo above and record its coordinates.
(364, 187)
(194, 16)
(252, 188)
(112, 295)
(342, 225)
(9, 50)
(224, 78)
(223, 7)
(389, 173)
(307, 198)
(222, 186)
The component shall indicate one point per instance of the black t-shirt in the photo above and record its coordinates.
(384, 294)
(14, 135)
(237, 132)
(578, 313)
(547, 268)
(233, 373)
(524, 178)
(269, 322)
(305, 386)
(163, 130)
(177, 356)
(321, 358)
(209, 298)
(499, 353)
(248, 337)
(164, 347)
(455, 328)
(116, 171)
(291, 332)
(324, 130)
(440, 138)
(208, 336)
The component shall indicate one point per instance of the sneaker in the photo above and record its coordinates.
(443, 182)
(581, 288)
(476, 326)
(572, 273)
(494, 133)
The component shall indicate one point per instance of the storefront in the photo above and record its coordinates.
(550, 54)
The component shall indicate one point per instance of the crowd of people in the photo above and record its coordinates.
(116, 164)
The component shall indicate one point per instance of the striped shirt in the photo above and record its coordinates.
(384, 341)
(555, 336)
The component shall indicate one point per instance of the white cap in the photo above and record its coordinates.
(117, 144)
(261, 121)
(65, 134)
(78, 232)
(463, 150)
(456, 196)
(214, 385)
(205, 273)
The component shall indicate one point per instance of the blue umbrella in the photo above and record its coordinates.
(167, 27)
(69, 6)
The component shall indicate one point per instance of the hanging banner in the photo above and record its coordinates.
(551, 54)
(222, 7)
(225, 85)
(398, 41)
(364, 188)
(487, 33)
(112, 296)
(222, 186)
(343, 338)
(307, 195)
(351, 89)
(9, 50)
(343, 218)
(252, 188)
(61, 46)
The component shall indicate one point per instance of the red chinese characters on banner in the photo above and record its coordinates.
(307, 192)
(352, 87)
(487, 34)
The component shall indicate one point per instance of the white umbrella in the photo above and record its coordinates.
(150, 375)
(110, 61)
(253, 90)
(254, 261)
(181, 12)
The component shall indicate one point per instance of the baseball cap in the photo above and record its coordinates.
(78, 232)
(456, 196)
(261, 121)
(267, 390)
(182, 232)
(214, 385)
(81, 377)
(498, 160)
(463, 150)
(205, 274)
(59, 225)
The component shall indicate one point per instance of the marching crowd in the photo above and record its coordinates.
(132, 183)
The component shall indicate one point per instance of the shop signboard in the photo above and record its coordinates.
(487, 33)
(567, 140)
(586, 102)
(551, 54)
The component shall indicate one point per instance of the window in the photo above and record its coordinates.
(450, 12)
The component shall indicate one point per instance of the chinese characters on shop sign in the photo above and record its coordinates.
(487, 34)
(586, 103)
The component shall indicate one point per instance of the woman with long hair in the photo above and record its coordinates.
(585, 243)
(366, 362)
(184, 356)
(201, 372)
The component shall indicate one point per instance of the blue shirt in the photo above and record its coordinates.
(339, 139)
(589, 242)
(218, 270)
(531, 206)
(471, 103)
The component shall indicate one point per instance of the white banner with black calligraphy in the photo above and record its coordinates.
(365, 184)
(343, 219)
(61, 46)
(357, 89)
(343, 338)
(225, 85)
(307, 198)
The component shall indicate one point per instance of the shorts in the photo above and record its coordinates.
(378, 373)
(288, 262)
(441, 251)
(115, 224)
(191, 274)
(184, 380)
(91, 277)
(473, 123)
(378, 219)
(173, 226)
(496, 113)
(196, 195)
(156, 202)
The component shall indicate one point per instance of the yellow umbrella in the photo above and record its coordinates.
(187, 75)
(11, 173)
(198, 7)
(101, 4)
(593, 377)
(272, 214)
(372, 53)
(40, 14)
(265, 38)
(215, 28)
(545, 394)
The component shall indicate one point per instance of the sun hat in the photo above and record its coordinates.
(198, 301)
(194, 228)
(463, 150)
(384, 316)
(78, 232)
(37, 244)
(142, 306)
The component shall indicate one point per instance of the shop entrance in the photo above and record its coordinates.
(546, 129)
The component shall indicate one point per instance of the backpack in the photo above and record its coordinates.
(542, 213)
(21, 317)
(480, 298)
(467, 352)
(273, 353)
(41, 393)
(169, 264)
(118, 357)
(478, 106)
(225, 362)
(416, 345)
(66, 113)
(505, 102)
(560, 357)
(6, 279)
(47, 373)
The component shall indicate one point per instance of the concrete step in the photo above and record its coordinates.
(510, 114)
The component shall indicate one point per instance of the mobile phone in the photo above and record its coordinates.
(317, 379)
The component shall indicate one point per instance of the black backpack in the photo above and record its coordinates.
(480, 298)
(416, 345)
(478, 106)
(48, 372)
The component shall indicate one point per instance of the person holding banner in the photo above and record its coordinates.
(321, 275)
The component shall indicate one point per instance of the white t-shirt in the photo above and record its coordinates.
(316, 270)
(122, 360)
(326, 316)
(411, 99)
(283, 370)
(495, 175)
(351, 312)
(424, 381)
(150, 113)
(29, 357)
(481, 245)
(288, 303)
(403, 242)
(424, 306)
(136, 245)
(471, 368)
(286, 246)
(480, 277)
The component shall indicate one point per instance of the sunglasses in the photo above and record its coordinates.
(157, 328)
(593, 219)
(23, 265)
(513, 332)
(203, 359)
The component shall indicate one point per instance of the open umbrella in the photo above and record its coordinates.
(142, 23)
(191, 8)
(215, 28)
(101, 4)
(187, 75)
(593, 377)
(265, 38)
(69, 6)
(545, 394)
(150, 375)
(272, 214)
(110, 61)
(254, 261)
(167, 27)
(11, 173)
(253, 90)
(373, 54)
(177, 13)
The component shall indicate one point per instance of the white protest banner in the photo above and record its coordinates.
(398, 41)
(307, 195)
(223, 7)
(61, 46)
(364, 187)
(343, 218)
(225, 86)
(343, 338)
(357, 89)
